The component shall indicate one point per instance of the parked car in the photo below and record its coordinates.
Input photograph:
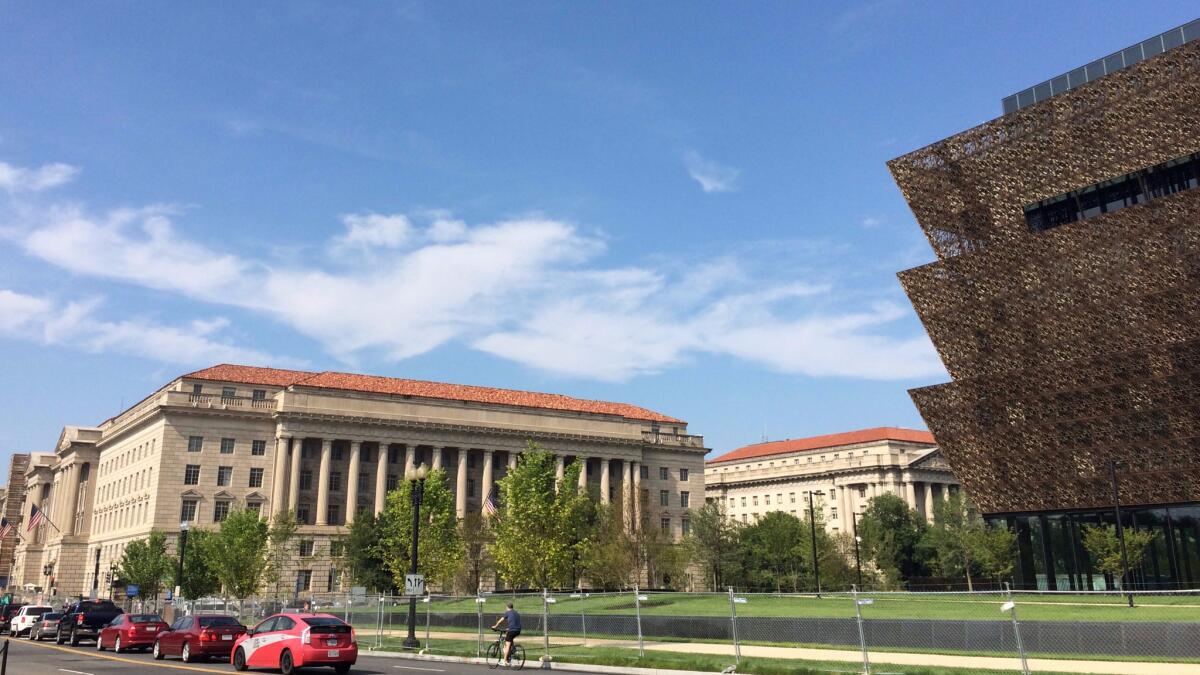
(6, 614)
(83, 620)
(46, 625)
(25, 618)
(131, 631)
(203, 636)
(290, 641)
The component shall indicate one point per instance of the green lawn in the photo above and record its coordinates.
(885, 606)
(617, 656)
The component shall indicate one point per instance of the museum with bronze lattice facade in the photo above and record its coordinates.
(1065, 306)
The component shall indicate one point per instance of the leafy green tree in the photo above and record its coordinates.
(145, 563)
(609, 557)
(891, 537)
(200, 562)
(773, 550)
(964, 545)
(440, 548)
(1102, 542)
(242, 553)
(715, 544)
(477, 560)
(363, 556)
(538, 536)
(279, 549)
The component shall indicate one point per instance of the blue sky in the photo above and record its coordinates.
(680, 205)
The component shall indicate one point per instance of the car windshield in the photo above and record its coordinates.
(206, 621)
(51, 616)
(145, 618)
(37, 611)
(322, 621)
(97, 606)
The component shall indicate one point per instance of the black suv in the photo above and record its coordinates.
(7, 614)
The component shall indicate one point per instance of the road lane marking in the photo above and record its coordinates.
(432, 670)
(136, 662)
(77, 672)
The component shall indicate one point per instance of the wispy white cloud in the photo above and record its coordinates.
(80, 325)
(533, 290)
(711, 176)
(870, 221)
(15, 179)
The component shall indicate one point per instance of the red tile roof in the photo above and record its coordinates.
(827, 441)
(455, 392)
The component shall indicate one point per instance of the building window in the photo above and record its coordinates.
(256, 478)
(187, 514)
(683, 475)
(743, 502)
(833, 512)
(228, 392)
(666, 526)
(664, 498)
(258, 448)
(335, 481)
(862, 492)
(302, 514)
(256, 507)
(365, 453)
(767, 499)
(224, 476)
(333, 578)
(197, 389)
(644, 471)
(306, 548)
(744, 519)
(686, 525)
(304, 580)
(470, 487)
(227, 446)
(392, 482)
(220, 511)
(306, 480)
(337, 548)
(685, 499)
(333, 514)
(337, 453)
(195, 443)
(191, 474)
(393, 454)
(663, 474)
(364, 481)
(259, 395)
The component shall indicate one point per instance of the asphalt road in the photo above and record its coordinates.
(46, 658)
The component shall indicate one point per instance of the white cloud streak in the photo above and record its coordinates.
(14, 179)
(711, 176)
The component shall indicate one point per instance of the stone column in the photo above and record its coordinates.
(626, 488)
(512, 459)
(437, 458)
(460, 484)
(560, 469)
(874, 490)
(72, 501)
(928, 506)
(381, 464)
(486, 491)
(352, 485)
(637, 495)
(844, 516)
(410, 459)
(279, 475)
(583, 476)
(910, 493)
(323, 482)
(604, 484)
(294, 482)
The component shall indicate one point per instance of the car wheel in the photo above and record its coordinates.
(117, 645)
(239, 659)
(99, 643)
(186, 654)
(286, 665)
(74, 641)
(58, 637)
(158, 655)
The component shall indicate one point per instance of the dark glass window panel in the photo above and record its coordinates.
(1077, 77)
(1132, 55)
(1025, 98)
(1172, 39)
(1009, 104)
(1152, 47)
(1059, 84)
(1041, 92)
(1095, 70)
(1191, 31)
(1113, 63)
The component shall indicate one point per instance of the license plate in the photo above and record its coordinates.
(331, 643)
(333, 653)
(152, 629)
(227, 637)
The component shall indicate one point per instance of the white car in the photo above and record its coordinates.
(25, 617)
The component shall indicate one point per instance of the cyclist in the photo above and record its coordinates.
(512, 624)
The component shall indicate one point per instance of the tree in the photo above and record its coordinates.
(241, 547)
(200, 563)
(279, 547)
(1102, 542)
(477, 560)
(714, 544)
(538, 536)
(609, 557)
(146, 564)
(774, 551)
(439, 546)
(891, 535)
(363, 555)
(963, 545)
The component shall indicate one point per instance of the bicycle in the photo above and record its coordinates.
(495, 652)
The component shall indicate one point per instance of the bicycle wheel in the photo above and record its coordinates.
(494, 655)
(518, 656)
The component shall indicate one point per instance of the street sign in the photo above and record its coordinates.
(740, 601)
(414, 584)
(1007, 606)
(867, 601)
(131, 590)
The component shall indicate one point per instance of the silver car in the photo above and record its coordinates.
(45, 626)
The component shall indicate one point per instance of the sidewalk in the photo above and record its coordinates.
(1013, 663)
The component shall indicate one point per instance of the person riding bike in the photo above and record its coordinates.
(512, 623)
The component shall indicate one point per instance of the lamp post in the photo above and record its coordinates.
(857, 541)
(417, 476)
(1125, 581)
(183, 530)
(812, 527)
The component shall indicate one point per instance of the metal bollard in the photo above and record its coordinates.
(4, 659)
(546, 600)
(428, 616)
(862, 637)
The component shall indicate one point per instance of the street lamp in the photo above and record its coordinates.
(183, 530)
(812, 526)
(417, 476)
(857, 541)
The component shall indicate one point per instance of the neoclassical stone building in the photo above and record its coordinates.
(324, 446)
(843, 471)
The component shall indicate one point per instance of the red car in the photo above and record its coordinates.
(130, 631)
(195, 637)
(297, 640)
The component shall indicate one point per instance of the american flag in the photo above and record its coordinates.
(35, 517)
(489, 506)
(5, 527)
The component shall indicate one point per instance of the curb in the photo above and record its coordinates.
(551, 665)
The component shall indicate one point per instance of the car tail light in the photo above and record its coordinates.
(306, 637)
(353, 637)
(79, 619)
(207, 636)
